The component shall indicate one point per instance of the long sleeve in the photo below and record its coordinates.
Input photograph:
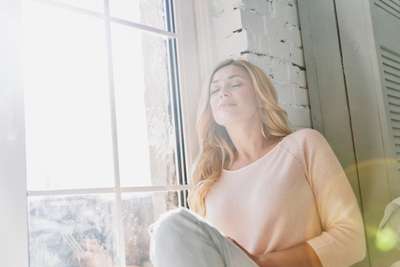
(342, 241)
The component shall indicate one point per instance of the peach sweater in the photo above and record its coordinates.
(297, 192)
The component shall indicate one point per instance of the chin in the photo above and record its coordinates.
(235, 119)
(226, 122)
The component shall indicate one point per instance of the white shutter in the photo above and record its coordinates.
(386, 23)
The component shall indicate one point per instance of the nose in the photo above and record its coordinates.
(224, 92)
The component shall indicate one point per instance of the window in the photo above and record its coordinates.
(105, 151)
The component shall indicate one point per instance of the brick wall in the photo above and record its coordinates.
(267, 33)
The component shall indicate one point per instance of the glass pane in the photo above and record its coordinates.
(92, 5)
(139, 210)
(71, 231)
(148, 12)
(68, 129)
(146, 136)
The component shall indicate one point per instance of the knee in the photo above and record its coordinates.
(167, 234)
(170, 225)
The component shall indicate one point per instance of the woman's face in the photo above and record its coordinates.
(232, 97)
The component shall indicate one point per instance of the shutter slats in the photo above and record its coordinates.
(393, 96)
(392, 81)
(391, 7)
(396, 132)
(394, 105)
(391, 77)
(392, 66)
(391, 61)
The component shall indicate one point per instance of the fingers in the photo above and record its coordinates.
(92, 245)
(95, 255)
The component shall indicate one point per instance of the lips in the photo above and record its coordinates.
(224, 105)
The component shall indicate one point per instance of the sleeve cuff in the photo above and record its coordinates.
(320, 245)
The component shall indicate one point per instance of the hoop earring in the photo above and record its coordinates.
(262, 131)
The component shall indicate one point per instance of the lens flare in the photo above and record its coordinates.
(386, 239)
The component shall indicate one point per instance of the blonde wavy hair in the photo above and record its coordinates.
(217, 150)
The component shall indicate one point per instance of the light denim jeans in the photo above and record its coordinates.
(391, 220)
(181, 238)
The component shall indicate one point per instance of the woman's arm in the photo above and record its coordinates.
(301, 255)
(342, 240)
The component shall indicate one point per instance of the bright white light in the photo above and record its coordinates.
(68, 129)
(67, 102)
(129, 84)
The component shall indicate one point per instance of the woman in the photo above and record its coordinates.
(262, 195)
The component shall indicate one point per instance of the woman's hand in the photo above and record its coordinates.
(94, 255)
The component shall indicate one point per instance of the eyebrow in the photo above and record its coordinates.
(230, 77)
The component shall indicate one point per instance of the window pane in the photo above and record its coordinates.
(146, 136)
(63, 228)
(139, 211)
(92, 5)
(68, 130)
(148, 12)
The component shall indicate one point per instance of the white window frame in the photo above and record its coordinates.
(190, 70)
(13, 185)
(13, 205)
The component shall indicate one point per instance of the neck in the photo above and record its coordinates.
(249, 141)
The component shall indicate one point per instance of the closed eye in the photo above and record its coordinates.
(214, 91)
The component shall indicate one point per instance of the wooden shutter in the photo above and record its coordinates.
(368, 34)
(386, 23)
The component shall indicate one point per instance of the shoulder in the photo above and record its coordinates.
(295, 145)
(297, 142)
(307, 133)
(315, 153)
(306, 142)
(306, 137)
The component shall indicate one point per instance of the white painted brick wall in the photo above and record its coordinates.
(267, 33)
